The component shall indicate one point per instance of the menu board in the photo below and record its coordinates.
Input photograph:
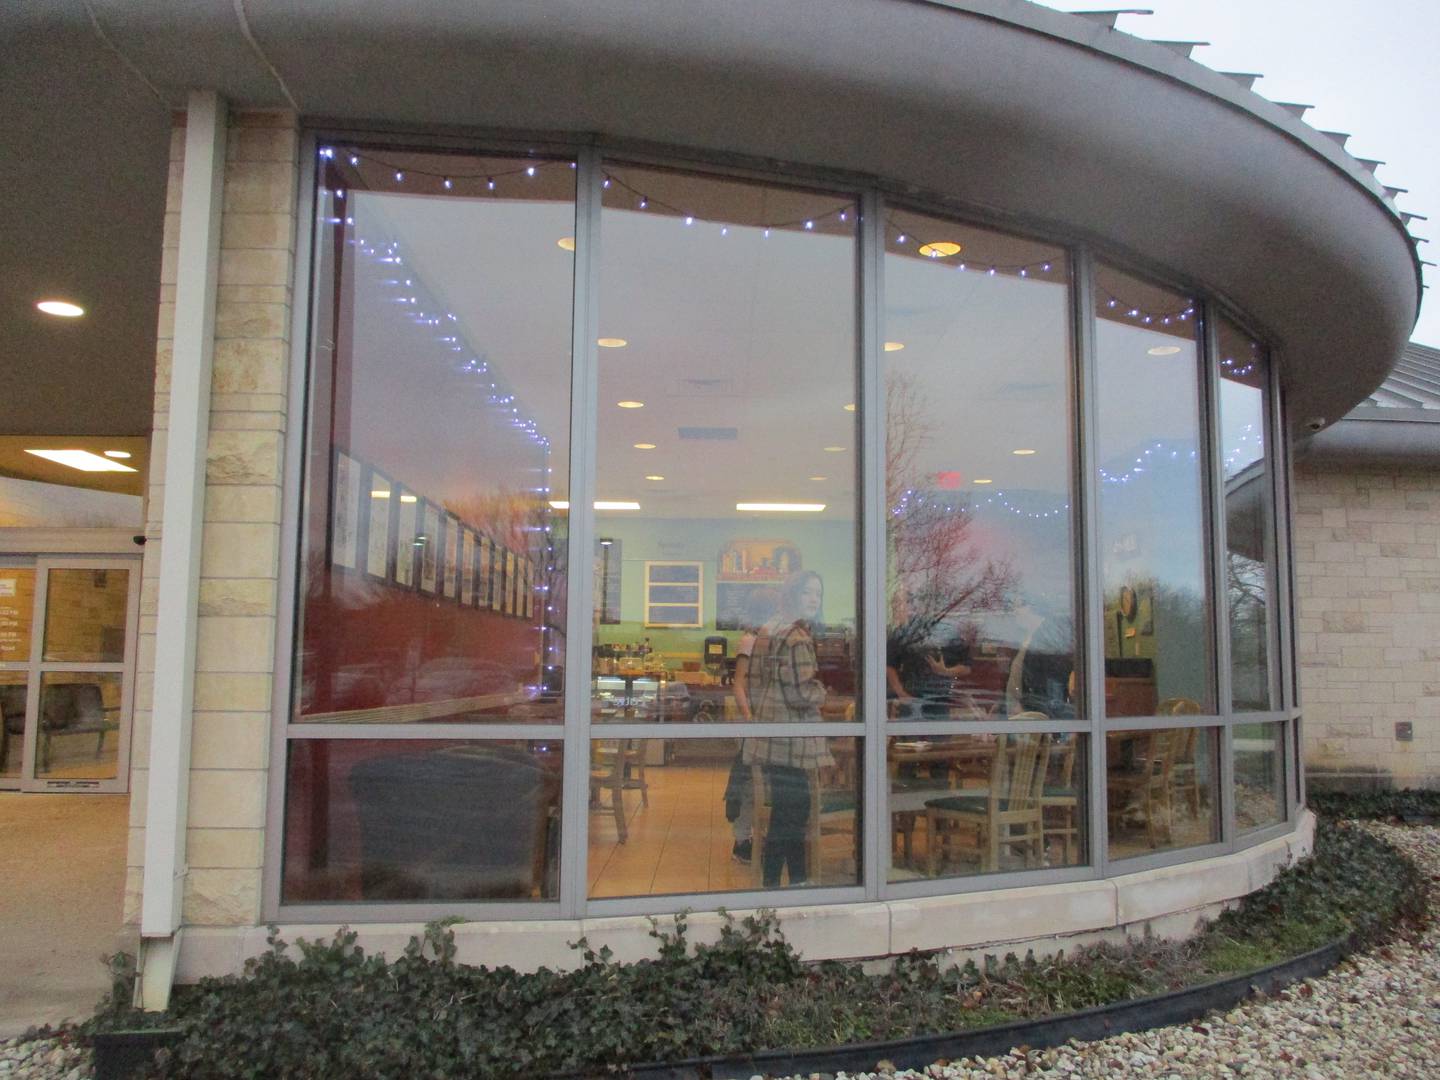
(17, 607)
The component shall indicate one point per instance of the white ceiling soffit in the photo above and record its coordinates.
(1055, 120)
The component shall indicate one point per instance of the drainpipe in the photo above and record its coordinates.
(182, 514)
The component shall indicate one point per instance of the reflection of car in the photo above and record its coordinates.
(450, 677)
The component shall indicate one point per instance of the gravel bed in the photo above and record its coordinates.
(55, 1058)
(1376, 1014)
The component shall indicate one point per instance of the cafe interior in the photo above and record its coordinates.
(1048, 703)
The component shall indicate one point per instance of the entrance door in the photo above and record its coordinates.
(67, 647)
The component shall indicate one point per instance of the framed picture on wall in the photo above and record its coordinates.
(482, 581)
(467, 568)
(345, 512)
(407, 518)
(428, 545)
(509, 583)
(452, 557)
(377, 527)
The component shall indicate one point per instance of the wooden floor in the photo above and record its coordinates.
(680, 843)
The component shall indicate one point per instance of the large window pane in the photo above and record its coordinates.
(978, 466)
(1244, 372)
(369, 819)
(1151, 499)
(17, 611)
(85, 616)
(14, 686)
(434, 563)
(79, 731)
(975, 804)
(718, 815)
(1259, 775)
(1161, 789)
(727, 441)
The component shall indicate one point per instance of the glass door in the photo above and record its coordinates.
(67, 645)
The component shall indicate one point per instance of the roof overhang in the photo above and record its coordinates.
(1033, 117)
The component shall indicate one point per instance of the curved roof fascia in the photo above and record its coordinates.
(1048, 120)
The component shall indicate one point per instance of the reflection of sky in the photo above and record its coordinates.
(430, 404)
(1242, 425)
(1151, 521)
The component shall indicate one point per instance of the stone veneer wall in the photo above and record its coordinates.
(240, 557)
(1367, 572)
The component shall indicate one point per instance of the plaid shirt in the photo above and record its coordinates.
(784, 687)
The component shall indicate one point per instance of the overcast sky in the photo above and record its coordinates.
(1368, 66)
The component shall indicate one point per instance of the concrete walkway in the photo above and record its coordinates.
(62, 880)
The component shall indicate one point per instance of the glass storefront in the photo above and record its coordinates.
(892, 569)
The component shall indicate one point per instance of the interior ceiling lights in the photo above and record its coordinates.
(83, 460)
(940, 249)
(894, 346)
(611, 342)
(62, 308)
(631, 404)
(778, 507)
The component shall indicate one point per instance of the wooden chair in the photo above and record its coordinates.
(1150, 783)
(1185, 773)
(616, 767)
(1060, 801)
(1007, 815)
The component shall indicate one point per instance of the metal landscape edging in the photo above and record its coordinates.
(1100, 1022)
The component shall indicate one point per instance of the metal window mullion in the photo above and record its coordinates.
(1223, 683)
(874, 813)
(1283, 514)
(1274, 642)
(1086, 527)
(584, 389)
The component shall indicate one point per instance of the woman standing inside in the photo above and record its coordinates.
(783, 687)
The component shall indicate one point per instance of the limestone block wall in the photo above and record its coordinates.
(240, 557)
(1367, 569)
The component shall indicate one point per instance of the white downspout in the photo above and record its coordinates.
(182, 515)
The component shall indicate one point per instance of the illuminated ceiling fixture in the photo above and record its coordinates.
(1164, 350)
(611, 342)
(378, 494)
(894, 346)
(631, 404)
(796, 508)
(1022, 452)
(644, 446)
(117, 453)
(834, 449)
(409, 498)
(600, 504)
(654, 476)
(83, 460)
(819, 478)
(63, 308)
(979, 481)
(567, 242)
(940, 249)
(849, 408)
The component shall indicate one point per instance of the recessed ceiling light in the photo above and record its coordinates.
(795, 508)
(979, 481)
(567, 242)
(849, 408)
(83, 460)
(631, 404)
(834, 449)
(1022, 452)
(894, 346)
(409, 498)
(611, 342)
(1164, 350)
(122, 454)
(644, 446)
(654, 476)
(560, 504)
(612, 504)
(940, 249)
(63, 308)
(379, 494)
(819, 478)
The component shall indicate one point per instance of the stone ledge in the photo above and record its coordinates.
(1168, 902)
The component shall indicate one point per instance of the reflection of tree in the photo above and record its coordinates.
(1245, 586)
(937, 572)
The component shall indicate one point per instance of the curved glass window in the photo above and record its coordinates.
(1150, 489)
